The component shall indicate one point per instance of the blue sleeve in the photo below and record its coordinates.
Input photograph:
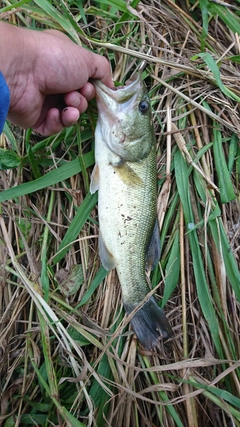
(4, 101)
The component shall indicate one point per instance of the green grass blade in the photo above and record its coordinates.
(67, 416)
(217, 396)
(15, 5)
(233, 273)
(162, 394)
(76, 225)
(101, 274)
(203, 291)
(203, 6)
(231, 20)
(172, 270)
(97, 394)
(10, 136)
(44, 251)
(224, 181)
(125, 15)
(55, 15)
(118, 4)
(234, 58)
(81, 10)
(51, 178)
(33, 162)
(213, 66)
(232, 154)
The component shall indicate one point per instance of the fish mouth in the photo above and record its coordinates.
(120, 94)
(123, 99)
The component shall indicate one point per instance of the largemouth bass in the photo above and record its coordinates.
(126, 179)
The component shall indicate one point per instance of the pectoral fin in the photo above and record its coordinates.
(127, 174)
(154, 249)
(94, 180)
(106, 257)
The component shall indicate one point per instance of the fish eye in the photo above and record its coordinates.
(143, 106)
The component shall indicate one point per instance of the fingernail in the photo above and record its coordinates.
(65, 109)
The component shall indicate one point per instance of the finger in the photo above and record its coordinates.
(88, 91)
(51, 124)
(70, 116)
(55, 120)
(77, 100)
(99, 68)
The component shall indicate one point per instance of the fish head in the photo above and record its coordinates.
(125, 119)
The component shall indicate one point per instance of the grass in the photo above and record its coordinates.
(68, 357)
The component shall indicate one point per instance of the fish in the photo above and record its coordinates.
(125, 177)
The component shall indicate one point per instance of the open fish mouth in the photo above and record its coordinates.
(119, 94)
(122, 99)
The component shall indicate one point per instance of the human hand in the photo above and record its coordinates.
(48, 77)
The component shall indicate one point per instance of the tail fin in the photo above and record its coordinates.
(150, 324)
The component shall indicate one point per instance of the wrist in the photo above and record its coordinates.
(16, 58)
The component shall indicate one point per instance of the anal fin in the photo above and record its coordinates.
(154, 249)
